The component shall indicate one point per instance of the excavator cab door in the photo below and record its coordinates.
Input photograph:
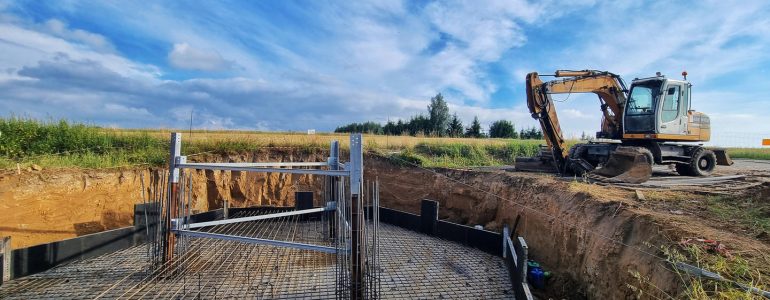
(672, 109)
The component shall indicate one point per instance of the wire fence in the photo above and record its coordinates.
(738, 139)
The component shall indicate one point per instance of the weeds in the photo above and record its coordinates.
(750, 212)
(733, 270)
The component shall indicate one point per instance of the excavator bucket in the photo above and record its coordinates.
(723, 159)
(625, 165)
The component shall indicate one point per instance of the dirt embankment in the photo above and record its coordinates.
(43, 206)
(50, 205)
(594, 238)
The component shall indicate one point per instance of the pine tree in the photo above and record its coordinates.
(455, 127)
(474, 130)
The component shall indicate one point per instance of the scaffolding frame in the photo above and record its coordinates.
(353, 245)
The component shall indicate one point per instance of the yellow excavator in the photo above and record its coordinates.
(652, 122)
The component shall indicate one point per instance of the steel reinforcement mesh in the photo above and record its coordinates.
(412, 266)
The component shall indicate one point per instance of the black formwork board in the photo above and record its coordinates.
(516, 260)
(212, 215)
(400, 218)
(428, 216)
(35, 259)
(303, 200)
(487, 241)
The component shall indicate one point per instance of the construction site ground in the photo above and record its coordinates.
(413, 266)
(571, 224)
(743, 186)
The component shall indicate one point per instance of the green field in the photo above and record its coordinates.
(63, 144)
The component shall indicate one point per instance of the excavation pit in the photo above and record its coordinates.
(413, 266)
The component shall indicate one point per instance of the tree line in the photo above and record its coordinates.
(439, 123)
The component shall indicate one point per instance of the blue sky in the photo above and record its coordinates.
(295, 65)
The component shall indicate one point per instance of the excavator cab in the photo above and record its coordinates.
(658, 108)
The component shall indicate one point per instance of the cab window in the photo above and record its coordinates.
(640, 101)
(671, 104)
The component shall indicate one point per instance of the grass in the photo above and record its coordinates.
(750, 212)
(750, 153)
(66, 144)
(62, 144)
(732, 268)
(432, 154)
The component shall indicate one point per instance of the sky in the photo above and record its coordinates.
(298, 65)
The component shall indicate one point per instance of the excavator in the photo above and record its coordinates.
(652, 122)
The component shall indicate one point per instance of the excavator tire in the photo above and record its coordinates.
(702, 163)
(626, 165)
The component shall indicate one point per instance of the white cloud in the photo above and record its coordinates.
(184, 56)
(94, 41)
(370, 61)
(114, 108)
(670, 37)
(24, 47)
(201, 118)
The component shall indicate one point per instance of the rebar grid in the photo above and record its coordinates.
(418, 266)
(412, 266)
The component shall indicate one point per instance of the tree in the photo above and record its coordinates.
(531, 133)
(455, 127)
(438, 114)
(390, 128)
(400, 127)
(474, 130)
(502, 129)
(419, 125)
(366, 127)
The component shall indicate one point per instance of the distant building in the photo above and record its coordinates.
(310, 131)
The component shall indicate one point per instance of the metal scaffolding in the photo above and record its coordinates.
(348, 235)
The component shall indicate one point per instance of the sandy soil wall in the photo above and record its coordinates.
(568, 232)
(49, 205)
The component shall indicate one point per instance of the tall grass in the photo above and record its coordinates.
(463, 155)
(750, 153)
(62, 144)
(68, 144)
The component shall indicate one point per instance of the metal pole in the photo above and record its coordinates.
(225, 210)
(357, 272)
(173, 187)
(334, 159)
(356, 178)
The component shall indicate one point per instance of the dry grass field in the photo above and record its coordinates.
(26, 142)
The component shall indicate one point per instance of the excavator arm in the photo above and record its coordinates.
(607, 86)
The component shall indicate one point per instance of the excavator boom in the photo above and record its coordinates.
(628, 165)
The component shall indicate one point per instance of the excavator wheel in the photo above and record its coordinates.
(702, 163)
(626, 165)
